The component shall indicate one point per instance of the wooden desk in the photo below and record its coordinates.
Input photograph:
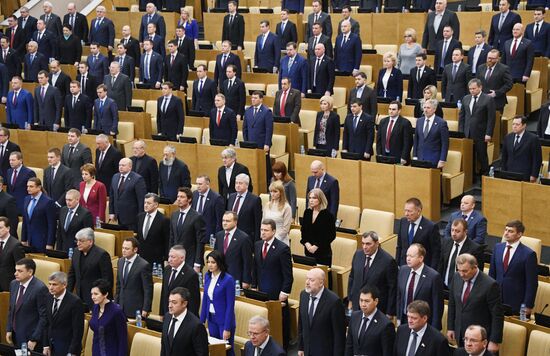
(141, 120)
(378, 187)
(65, 263)
(501, 203)
(120, 235)
(4, 308)
(348, 173)
(35, 146)
(425, 184)
(534, 211)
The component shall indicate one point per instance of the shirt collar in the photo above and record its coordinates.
(181, 316)
(319, 293)
(371, 315)
(26, 284)
(514, 245)
(418, 271)
(264, 344)
(133, 259)
(153, 214)
(420, 333)
(417, 221)
(186, 210)
(60, 298)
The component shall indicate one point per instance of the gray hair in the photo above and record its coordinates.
(466, 258)
(85, 234)
(229, 152)
(141, 143)
(73, 193)
(433, 102)
(259, 320)
(60, 277)
(155, 197)
(179, 249)
(171, 149)
(102, 137)
(242, 177)
(372, 234)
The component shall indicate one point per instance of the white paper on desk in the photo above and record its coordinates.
(214, 341)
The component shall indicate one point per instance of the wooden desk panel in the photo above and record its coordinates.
(209, 162)
(411, 20)
(470, 23)
(425, 184)
(465, 146)
(534, 211)
(35, 147)
(141, 120)
(378, 186)
(4, 307)
(187, 152)
(303, 162)
(386, 30)
(291, 131)
(65, 264)
(348, 173)
(255, 160)
(502, 202)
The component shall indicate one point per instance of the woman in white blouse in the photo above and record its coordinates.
(390, 79)
(279, 210)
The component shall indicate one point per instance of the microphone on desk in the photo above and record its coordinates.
(541, 319)
(543, 309)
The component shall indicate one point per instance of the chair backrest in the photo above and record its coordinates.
(206, 136)
(533, 243)
(243, 313)
(514, 338)
(511, 107)
(342, 250)
(151, 108)
(44, 269)
(139, 102)
(383, 48)
(339, 97)
(89, 342)
(265, 198)
(254, 86)
(145, 345)
(349, 216)
(452, 124)
(542, 297)
(155, 306)
(211, 66)
(278, 146)
(301, 205)
(454, 162)
(125, 131)
(295, 235)
(106, 241)
(195, 132)
(271, 89)
(376, 220)
(39, 173)
(534, 80)
(299, 283)
(539, 343)
(307, 119)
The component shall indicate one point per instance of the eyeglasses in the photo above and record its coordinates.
(251, 334)
(407, 36)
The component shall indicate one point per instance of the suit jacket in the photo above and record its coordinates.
(109, 167)
(190, 235)
(238, 255)
(80, 28)
(31, 68)
(481, 121)
(382, 273)
(19, 189)
(451, 45)
(250, 214)
(11, 253)
(227, 129)
(102, 32)
(433, 343)
(28, 321)
(268, 55)
(62, 83)
(233, 31)
(12, 61)
(401, 139)
(30, 26)
(89, 85)
(98, 66)
(347, 57)
(430, 36)
(377, 340)
(135, 292)
(323, 81)
(287, 34)
(433, 147)
(540, 40)
(273, 274)
(324, 20)
(293, 104)
(80, 219)
(223, 301)
(500, 81)
(21, 113)
(519, 282)
(483, 307)
(415, 89)
(154, 248)
(454, 89)
(228, 188)
(359, 139)
(132, 49)
(53, 24)
(147, 167)
(156, 61)
(497, 38)
(65, 329)
(106, 118)
(427, 234)
(47, 110)
(80, 156)
(128, 67)
(120, 91)
(235, 96)
(477, 226)
(219, 71)
(127, 203)
(482, 59)
(325, 40)
(171, 121)
(158, 44)
(329, 186)
(179, 177)
(8, 208)
(187, 278)
(367, 98)
(203, 101)
(394, 89)
(325, 334)
(187, 50)
(462, 352)
(81, 275)
(9, 147)
(47, 44)
(298, 72)
(270, 349)
(176, 72)
(39, 228)
(191, 337)
(526, 158)
(332, 131)
(79, 115)
(258, 128)
(19, 40)
(447, 244)
(298, 6)
(355, 26)
(159, 22)
(56, 188)
(70, 50)
(213, 207)
(521, 63)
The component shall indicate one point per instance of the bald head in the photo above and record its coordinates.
(317, 169)
(125, 165)
(517, 30)
(315, 280)
(467, 204)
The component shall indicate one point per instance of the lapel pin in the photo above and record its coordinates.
(422, 345)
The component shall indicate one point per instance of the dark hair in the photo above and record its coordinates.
(155, 197)
(75, 131)
(36, 181)
(168, 84)
(103, 285)
(459, 49)
(523, 119)
(187, 192)
(90, 168)
(356, 101)
(540, 8)
(292, 44)
(44, 72)
(516, 224)
(232, 66)
(182, 291)
(346, 7)
(462, 222)
(422, 55)
(421, 249)
(68, 26)
(258, 93)
(56, 151)
(270, 222)
(415, 201)
(280, 167)
(5, 130)
(220, 260)
(134, 241)
(419, 307)
(265, 22)
(482, 33)
(149, 40)
(362, 75)
(5, 220)
(28, 263)
(370, 289)
(398, 103)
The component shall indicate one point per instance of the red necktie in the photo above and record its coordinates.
(283, 103)
(225, 242)
(12, 37)
(388, 135)
(506, 258)
(514, 48)
(467, 292)
(219, 118)
(14, 98)
(264, 252)
(14, 179)
(236, 206)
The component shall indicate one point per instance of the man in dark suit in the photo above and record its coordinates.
(521, 151)
(228, 172)
(286, 30)
(59, 79)
(89, 263)
(72, 218)
(320, 17)
(321, 72)
(418, 335)
(27, 307)
(519, 54)
(502, 24)
(75, 154)
(474, 298)
(46, 40)
(78, 22)
(150, 66)
(295, 68)
(48, 103)
(26, 22)
(370, 331)
(186, 47)
(187, 228)
(358, 131)
(98, 64)
(234, 90)
(134, 282)
(107, 159)
(267, 55)
(420, 77)
(475, 342)
(179, 274)
(152, 16)
(34, 62)
(514, 267)
(346, 16)
(77, 108)
(444, 49)
(15, 38)
(233, 26)
(176, 68)
(19, 110)
(223, 121)
(433, 31)
(12, 251)
(51, 20)
(538, 33)
(39, 218)
(373, 266)
(495, 79)
(321, 327)
(288, 101)
(182, 330)
(258, 329)
(170, 116)
(131, 44)
(126, 195)
(126, 62)
(477, 55)
(347, 50)
(158, 41)
(16, 179)
(210, 205)
(146, 166)
(318, 37)
(88, 83)
(223, 60)
(118, 86)
(477, 121)
(477, 223)
(6, 148)
(327, 183)
(153, 231)
(204, 91)
(105, 112)
(415, 228)
(456, 77)
(364, 94)
(173, 174)
(431, 139)
(58, 178)
(258, 127)
(237, 249)
(10, 58)
(65, 318)
(102, 29)
(247, 206)
(394, 135)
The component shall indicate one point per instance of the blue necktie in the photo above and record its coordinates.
(68, 219)
(411, 233)
(101, 106)
(31, 207)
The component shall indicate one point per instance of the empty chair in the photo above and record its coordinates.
(106, 241)
(514, 337)
(539, 343)
(452, 177)
(349, 216)
(377, 220)
(44, 269)
(145, 345)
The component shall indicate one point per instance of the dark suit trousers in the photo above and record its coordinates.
(480, 152)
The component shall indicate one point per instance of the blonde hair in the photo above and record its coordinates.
(189, 17)
(328, 99)
(318, 193)
(278, 186)
(391, 56)
(432, 89)
(411, 31)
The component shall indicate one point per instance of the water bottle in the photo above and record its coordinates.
(97, 222)
(248, 68)
(24, 350)
(155, 270)
(237, 142)
(201, 284)
(302, 150)
(203, 141)
(459, 104)
(403, 9)
(492, 172)
(237, 288)
(139, 324)
(398, 98)
(212, 241)
(377, 10)
(70, 254)
(523, 313)
(333, 153)
(540, 177)
(159, 271)
(459, 8)
(349, 311)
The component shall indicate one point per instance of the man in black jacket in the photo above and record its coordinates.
(78, 22)
(72, 218)
(146, 166)
(227, 173)
(106, 161)
(12, 251)
(58, 178)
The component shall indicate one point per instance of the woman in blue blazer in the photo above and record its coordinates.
(218, 301)
(327, 126)
(390, 79)
(191, 26)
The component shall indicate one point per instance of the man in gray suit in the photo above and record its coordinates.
(456, 75)
(436, 21)
(134, 282)
(58, 178)
(75, 154)
(47, 103)
(119, 87)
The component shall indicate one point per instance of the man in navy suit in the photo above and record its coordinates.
(102, 30)
(294, 67)
(374, 335)
(327, 183)
(151, 16)
(173, 174)
(16, 179)
(258, 329)
(233, 26)
(47, 41)
(209, 204)
(416, 281)
(26, 22)
(433, 33)
(477, 223)
(321, 72)
(223, 60)
(185, 46)
(27, 308)
(47, 104)
(456, 78)
(34, 62)
(204, 91)
(502, 24)
(420, 77)
(6, 147)
(538, 33)
(88, 83)
(496, 79)
(286, 29)
(431, 139)
(105, 112)
(394, 135)
(223, 121)
(150, 65)
(158, 41)
(268, 50)
(176, 68)
(521, 151)
(153, 231)
(107, 157)
(358, 131)
(514, 267)
(347, 50)
(39, 218)
(321, 17)
(19, 104)
(234, 90)
(236, 246)
(127, 63)
(98, 64)
(126, 196)
(519, 54)
(170, 116)
(415, 228)
(78, 108)
(477, 55)
(247, 206)
(444, 49)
